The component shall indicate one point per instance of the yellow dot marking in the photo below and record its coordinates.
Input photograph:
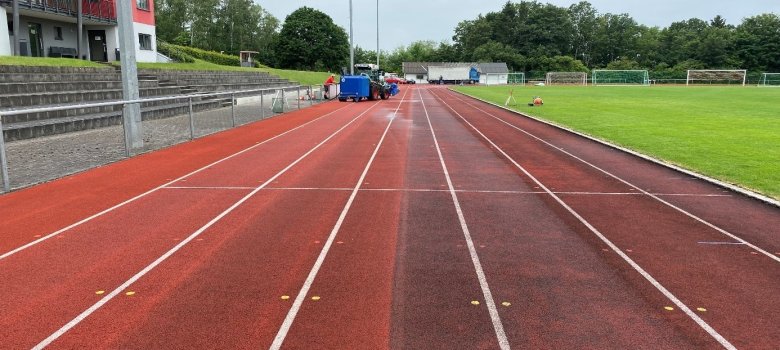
(315, 298)
(285, 297)
(506, 303)
(701, 309)
(100, 292)
(130, 294)
(475, 302)
(668, 308)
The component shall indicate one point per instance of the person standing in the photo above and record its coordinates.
(328, 83)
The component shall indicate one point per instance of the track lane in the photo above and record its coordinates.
(555, 282)
(355, 280)
(187, 238)
(755, 221)
(671, 253)
(33, 218)
(256, 257)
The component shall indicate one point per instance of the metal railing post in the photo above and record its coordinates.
(233, 109)
(192, 122)
(299, 97)
(311, 94)
(128, 142)
(4, 160)
(262, 105)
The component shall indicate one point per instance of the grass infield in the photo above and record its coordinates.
(728, 133)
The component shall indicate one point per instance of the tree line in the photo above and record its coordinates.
(538, 37)
(307, 40)
(529, 36)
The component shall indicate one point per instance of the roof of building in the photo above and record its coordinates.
(422, 67)
(493, 68)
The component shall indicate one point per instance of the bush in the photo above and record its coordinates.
(174, 52)
(210, 56)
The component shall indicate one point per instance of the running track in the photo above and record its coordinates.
(429, 221)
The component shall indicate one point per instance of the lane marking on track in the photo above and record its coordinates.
(656, 197)
(498, 326)
(290, 318)
(115, 207)
(54, 336)
(703, 324)
(722, 243)
(440, 190)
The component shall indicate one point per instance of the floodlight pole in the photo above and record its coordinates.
(351, 43)
(377, 33)
(131, 113)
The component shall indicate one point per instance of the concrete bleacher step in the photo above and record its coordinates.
(53, 126)
(84, 96)
(58, 86)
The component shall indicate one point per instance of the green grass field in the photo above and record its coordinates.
(302, 77)
(47, 62)
(729, 133)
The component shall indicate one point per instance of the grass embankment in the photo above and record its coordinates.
(47, 62)
(729, 133)
(302, 77)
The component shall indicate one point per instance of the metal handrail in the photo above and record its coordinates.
(233, 94)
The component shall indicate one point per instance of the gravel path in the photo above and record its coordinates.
(43, 159)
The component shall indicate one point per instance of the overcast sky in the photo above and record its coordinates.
(404, 21)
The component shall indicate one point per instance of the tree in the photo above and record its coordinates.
(310, 40)
(758, 42)
(584, 24)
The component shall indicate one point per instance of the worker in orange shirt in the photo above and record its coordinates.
(328, 83)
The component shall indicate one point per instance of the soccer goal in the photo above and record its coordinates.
(516, 79)
(566, 78)
(621, 77)
(716, 77)
(769, 80)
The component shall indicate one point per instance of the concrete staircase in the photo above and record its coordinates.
(36, 87)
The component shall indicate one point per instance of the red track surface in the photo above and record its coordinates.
(352, 207)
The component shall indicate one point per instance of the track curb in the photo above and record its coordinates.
(731, 187)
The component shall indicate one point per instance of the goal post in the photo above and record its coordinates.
(636, 77)
(516, 79)
(716, 77)
(566, 78)
(769, 80)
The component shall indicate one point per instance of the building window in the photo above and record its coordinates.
(57, 33)
(11, 28)
(142, 4)
(145, 41)
(420, 77)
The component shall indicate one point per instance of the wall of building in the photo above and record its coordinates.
(6, 46)
(145, 55)
(414, 77)
(143, 16)
(48, 34)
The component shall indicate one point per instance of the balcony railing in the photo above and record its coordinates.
(99, 10)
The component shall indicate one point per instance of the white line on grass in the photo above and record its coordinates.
(54, 336)
(503, 342)
(290, 318)
(681, 210)
(703, 324)
(83, 221)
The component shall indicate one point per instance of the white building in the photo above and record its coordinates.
(489, 73)
(84, 29)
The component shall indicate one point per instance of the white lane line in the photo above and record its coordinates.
(703, 324)
(290, 318)
(503, 341)
(440, 190)
(83, 221)
(54, 336)
(656, 197)
(722, 243)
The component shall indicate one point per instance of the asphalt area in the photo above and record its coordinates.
(427, 221)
